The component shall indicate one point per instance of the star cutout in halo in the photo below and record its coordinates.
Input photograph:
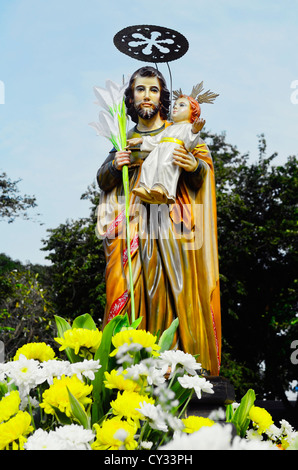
(151, 43)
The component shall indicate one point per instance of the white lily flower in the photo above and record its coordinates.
(110, 97)
(116, 91)
(104, 97)
(108, 127)
(112, 119)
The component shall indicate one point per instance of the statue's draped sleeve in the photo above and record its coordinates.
(174, 255)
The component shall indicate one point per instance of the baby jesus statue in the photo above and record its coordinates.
(159, 173)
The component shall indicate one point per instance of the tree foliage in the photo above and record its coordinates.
(26, 313)
(78, 265)
(12, 204)
(257, 229)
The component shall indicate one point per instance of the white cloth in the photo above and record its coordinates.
(159, 168)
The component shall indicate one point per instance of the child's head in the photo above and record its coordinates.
(194, 107)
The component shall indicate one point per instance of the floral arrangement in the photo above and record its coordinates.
(120, 388)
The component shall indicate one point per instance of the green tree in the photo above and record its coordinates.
(12, 204)
(257, 228)
(26, 313)
(78, 265)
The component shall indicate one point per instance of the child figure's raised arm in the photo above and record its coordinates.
(197, 125)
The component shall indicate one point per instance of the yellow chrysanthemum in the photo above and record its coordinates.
(77, 338)
(194, 423)
(127, 403)
(115, 434)
(142, 337)
(117, 380)
(39, 351)
(57, 395)
(9, 405)
(13, 432)
(261, 418)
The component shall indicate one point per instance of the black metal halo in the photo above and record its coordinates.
(150, 43)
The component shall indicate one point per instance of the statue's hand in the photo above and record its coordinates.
(198, 125)
(184, 159)
(122, 158)
(134, 142)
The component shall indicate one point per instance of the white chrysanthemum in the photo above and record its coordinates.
(252, 434)
(166, 397)
(75, 436)
(199, 384)
(155, 416)
(176, 358)
(216, 437)
(148, 369)
(217, 415)
(87, 368)
(69, 437)
(288, 432)
(146, 445)
(42, 440)
(253, 444)
(174, 423)
(25, 373)
(55, 368)
(125, 352)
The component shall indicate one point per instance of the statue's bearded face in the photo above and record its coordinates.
(146, 96)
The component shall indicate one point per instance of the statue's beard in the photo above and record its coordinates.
(146, 113)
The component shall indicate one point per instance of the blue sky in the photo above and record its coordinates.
(53, 53)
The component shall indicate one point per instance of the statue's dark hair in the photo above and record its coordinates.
(165, 100)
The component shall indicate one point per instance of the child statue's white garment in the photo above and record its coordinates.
(158, 169)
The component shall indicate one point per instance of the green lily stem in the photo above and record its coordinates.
(186, 404)
(126, 193)
(31, 413)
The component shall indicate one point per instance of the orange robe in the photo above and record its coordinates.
(174, 255)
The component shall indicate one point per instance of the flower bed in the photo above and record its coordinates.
(121, 389)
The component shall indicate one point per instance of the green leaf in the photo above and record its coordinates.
(62, 418)
(78, 411)
(229, 413)
(84, 321)
(62, 326)
(3, 389)
(136, 323)
(167, 337)
(240, 417)
(122, 322)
